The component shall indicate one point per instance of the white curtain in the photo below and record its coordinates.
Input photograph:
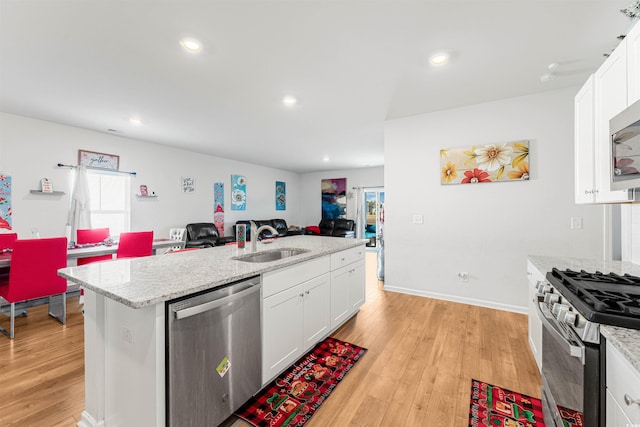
(79, 216)
(360, 217)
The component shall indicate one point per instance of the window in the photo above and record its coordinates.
(110, 201)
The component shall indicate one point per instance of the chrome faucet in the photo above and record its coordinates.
(255, 232)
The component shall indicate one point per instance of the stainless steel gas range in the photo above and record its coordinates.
(572, 305)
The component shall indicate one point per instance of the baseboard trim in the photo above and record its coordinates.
(455, 298)
(86, 420)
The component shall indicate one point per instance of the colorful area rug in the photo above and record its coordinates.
(293, 397)
(498, 407)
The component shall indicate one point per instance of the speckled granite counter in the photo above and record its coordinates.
(141, 282)
(625, 340)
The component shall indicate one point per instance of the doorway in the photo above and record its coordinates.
(373, 216)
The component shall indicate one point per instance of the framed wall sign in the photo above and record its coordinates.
(98, 160)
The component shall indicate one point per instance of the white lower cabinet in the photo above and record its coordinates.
(623, 385)
(292, 322)
(535, 324)
(302, 304)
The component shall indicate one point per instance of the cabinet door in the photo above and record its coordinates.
(611, 99)
(339, 292)
(357, 286)
(535, 324)
(633, 64)
(615, 415)
(584, 138)
(317, 315)
(282, 331)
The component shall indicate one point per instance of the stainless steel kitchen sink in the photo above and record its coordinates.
(271, 255)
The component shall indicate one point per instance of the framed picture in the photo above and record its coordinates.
(98, 160)
(144, 191)
(281, 196)
(188, 184)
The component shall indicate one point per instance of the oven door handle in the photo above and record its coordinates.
(572, 344)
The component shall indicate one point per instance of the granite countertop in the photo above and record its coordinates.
(625, 340)
(142, 282)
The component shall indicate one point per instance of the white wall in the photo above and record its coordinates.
(631, 232)
(310, 199)
(30, 150)
(486, 230)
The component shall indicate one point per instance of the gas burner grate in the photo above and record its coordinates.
(610, 298)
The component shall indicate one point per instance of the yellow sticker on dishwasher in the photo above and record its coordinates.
(223, 367)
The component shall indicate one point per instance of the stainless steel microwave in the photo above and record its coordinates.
(625, 148)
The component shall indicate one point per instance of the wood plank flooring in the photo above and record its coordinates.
(417, 372)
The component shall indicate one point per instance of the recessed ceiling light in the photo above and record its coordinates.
(326, 158)
(289, 101)
(191, 45)
(135, 121)
(439, 58)
(547, 77)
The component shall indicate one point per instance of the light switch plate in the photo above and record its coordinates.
(417, 219)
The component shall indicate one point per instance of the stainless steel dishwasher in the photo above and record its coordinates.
(213, 353)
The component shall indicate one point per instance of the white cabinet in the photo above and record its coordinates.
(633, 64)
(348, 284)
(303, 303)
(584, 143)
(295, 313)
(623, 385)
(534, 277)
(606, 93)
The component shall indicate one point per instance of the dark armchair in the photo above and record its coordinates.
(204, 235)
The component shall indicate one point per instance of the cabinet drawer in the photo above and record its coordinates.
(623, 378)
(279, 280)
(342, 258)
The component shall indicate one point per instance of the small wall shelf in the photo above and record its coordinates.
(151, 196)
(52, 193)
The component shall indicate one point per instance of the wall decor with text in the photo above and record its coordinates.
(98, 160)
(485, 163)
(188, 184)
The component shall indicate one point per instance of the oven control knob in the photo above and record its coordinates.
(558, 310)
(551, 299)
(570, 318)
(545, 289)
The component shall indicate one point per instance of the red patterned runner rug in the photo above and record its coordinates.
(293, 397)
(498, 407)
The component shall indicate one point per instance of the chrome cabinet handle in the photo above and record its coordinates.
(630, 401)
(306, 292)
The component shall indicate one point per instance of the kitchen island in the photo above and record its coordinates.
(125, 313)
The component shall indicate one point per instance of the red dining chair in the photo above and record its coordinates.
(93, 235)
(7, 239)
(135, 244)
(34, 274)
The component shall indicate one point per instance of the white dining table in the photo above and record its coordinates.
(75, 253)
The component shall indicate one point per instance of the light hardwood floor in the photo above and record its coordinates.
(417, 372)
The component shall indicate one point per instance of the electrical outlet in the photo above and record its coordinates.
(463, 276)
(126, 334)
(576, 222)
(417, 219)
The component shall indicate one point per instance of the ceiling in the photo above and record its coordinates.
(352, 65)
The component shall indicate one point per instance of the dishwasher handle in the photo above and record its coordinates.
(183, 313)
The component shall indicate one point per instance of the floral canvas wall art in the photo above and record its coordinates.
(5, 202)
(281, 196)
(238, 193)
(218, 206)
(485, 163)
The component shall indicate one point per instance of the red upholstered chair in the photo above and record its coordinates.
(135, 244)
(93, 235)
(7, 239)
(34, 274)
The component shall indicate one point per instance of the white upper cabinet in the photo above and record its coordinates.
(613, 87)
(584, 139)
(633, 64)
